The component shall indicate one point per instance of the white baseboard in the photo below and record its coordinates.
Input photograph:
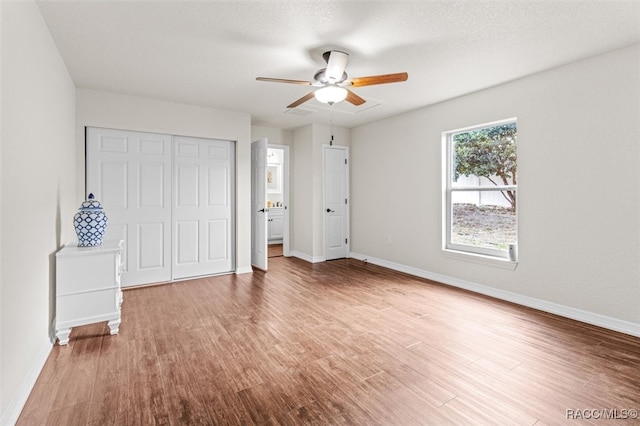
(10, 416)
(244, 270)
(592, 318)
(308, 258)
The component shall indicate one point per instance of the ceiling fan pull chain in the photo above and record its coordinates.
(331, 127)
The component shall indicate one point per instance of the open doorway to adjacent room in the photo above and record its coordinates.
(278, 200)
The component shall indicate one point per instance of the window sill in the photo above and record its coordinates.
(481, 259)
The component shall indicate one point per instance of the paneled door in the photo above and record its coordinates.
(336, 202)
(130, 174)
(203, 207)
(170, 198)
(259, 211)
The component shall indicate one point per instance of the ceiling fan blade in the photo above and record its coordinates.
(354, 99)
(335, 65)
(379, 79)
(302, 100)
(284, 80)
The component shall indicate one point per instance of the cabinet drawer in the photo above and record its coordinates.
(87, 305)
(88, 272)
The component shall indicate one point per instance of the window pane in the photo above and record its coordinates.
(465, 181)
(481, 188)
(484, 156)
(480, 181)
(480, 219)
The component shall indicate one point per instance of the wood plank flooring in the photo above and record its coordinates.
(340, 342)
(274, 250)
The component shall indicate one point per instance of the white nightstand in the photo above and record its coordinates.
(88, 287)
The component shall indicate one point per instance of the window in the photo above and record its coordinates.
(480, 166)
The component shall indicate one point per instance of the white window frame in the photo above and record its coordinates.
(462, 251)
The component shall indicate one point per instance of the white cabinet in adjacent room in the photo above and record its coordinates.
(275, 224)
(88, 287)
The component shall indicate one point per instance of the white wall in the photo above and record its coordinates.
(579, 188)
(274, 135)
(103, 109)
(322, 136)
(38, 189)
(301, 219)
(307, 194)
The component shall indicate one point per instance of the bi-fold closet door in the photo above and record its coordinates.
(170, 198)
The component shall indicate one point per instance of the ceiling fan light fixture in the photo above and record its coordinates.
(332, 80)
(331, 94)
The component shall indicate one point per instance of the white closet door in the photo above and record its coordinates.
(130, 174)
(336, 194)
(203, 180)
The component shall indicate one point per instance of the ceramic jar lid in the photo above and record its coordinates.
(91, 204)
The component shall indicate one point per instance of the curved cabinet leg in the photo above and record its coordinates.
(63, 336)
(114, 326)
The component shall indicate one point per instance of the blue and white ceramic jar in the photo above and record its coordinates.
(90, 223)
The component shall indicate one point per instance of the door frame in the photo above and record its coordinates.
(286, 243)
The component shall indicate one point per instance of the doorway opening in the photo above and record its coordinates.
(275, 250)
(278, 200)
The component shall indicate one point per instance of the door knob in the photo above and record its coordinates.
(261, 211)
(330, 211)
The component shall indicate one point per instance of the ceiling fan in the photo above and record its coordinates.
(333, 83)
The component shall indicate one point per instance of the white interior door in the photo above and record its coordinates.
(130, 174)
(336, 202)
(259, 204)
(203, 179)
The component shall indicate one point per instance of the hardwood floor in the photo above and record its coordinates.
(341, 342)
(274, 250)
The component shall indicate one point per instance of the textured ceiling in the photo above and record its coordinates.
(209, 53)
